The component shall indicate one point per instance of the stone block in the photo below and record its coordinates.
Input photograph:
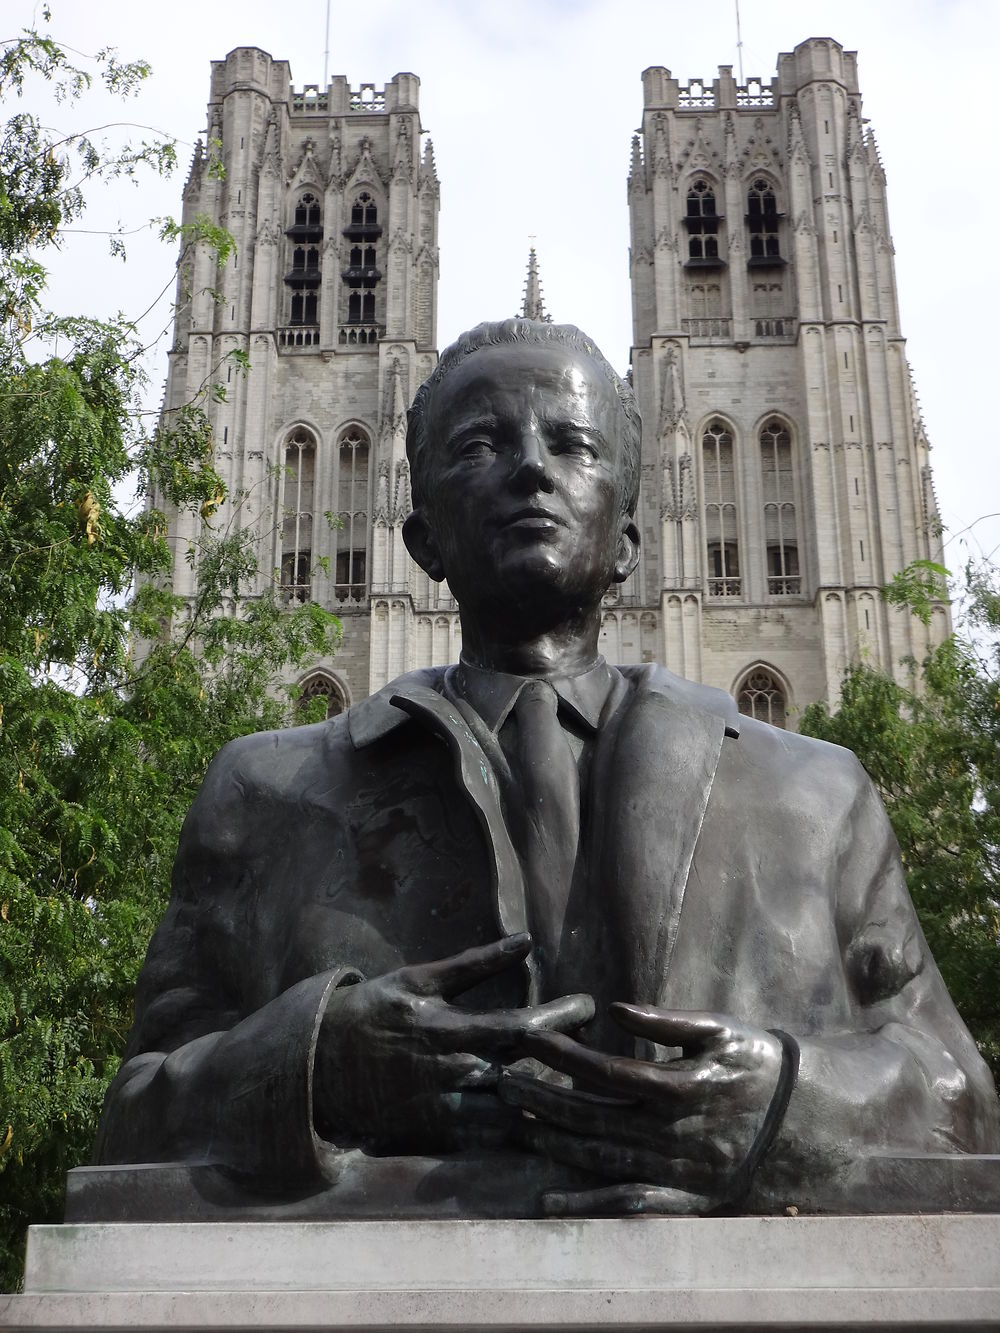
(920, 1272)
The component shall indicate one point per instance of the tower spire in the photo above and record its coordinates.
(533, 306)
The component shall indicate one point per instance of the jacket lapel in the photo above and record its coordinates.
(655, 761)
(418, 696)
(657, 779)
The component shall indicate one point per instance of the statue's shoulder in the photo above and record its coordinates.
(800, 767)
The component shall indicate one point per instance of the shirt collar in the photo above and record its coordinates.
(493, 693)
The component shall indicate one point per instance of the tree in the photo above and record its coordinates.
(102, 747)
(932, 748)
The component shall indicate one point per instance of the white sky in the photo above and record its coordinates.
(532, 104)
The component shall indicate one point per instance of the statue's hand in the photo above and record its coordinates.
(673, 1136)
(399, 1068)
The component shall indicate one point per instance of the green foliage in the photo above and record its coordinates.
(102, 746)
(933, 750)
(918, 588)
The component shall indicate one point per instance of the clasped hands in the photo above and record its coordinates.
(399, 1068)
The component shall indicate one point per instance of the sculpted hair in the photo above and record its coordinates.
(531, 332)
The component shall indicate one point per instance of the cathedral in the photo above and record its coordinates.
(785, 473)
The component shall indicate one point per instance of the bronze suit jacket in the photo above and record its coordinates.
(736, 868)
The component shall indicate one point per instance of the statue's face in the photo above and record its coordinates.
(524, 479)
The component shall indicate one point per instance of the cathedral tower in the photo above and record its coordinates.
(785, 465)
(332, 298)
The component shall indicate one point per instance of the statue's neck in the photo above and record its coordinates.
(562, 650)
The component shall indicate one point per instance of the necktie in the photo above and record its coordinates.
(549, 798)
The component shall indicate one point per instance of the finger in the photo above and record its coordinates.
(462, 971)
(447, 1122)
(616, 1073)
(614, 1120)
(499, 1032)
(689, 1028)
(617, 1162)
(581, 1112)
(443, 1072)
(626, 1200)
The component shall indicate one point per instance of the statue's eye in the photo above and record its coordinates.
(476, 446)
(575, 446)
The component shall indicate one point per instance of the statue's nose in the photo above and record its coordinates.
(531, 465)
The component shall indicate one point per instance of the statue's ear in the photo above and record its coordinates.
(628, 550)
(421, 545)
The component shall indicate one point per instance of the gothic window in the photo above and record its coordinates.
(304, 308)
(760, 695)
(780, 528)
(721, 536)
(297, 515)
(307, 212)
(362, 274)
(702, 224)
(768, 310)
(762, 221)
(364, 211)
(706, 300)
(304, 274)
(350, 567)
(322, 686)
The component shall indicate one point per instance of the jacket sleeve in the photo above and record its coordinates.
(209, 1074)
(905, 1076)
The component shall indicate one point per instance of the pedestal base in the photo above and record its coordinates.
(642, 1273)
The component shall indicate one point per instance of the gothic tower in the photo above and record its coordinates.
(332, 298)
(785, 465)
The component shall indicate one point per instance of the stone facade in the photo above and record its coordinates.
(785, 466)
(332, 297)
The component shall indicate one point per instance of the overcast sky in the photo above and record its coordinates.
(531, 105)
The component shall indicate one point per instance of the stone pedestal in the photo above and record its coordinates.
(920, 1272)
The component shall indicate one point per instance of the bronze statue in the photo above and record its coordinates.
(533, 934)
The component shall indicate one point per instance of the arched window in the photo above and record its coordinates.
(706, 300)
(350, 577)
(299, 458)
(760, 695)
(767, 308)
(304, 274)
(780, 528)
(762, 221)
(322, 686)
(362, 275)
(364, 211)
(721, 531)
(702, 224)
(308, 212)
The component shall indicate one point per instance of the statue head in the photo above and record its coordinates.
(524, 332)
(524, 461)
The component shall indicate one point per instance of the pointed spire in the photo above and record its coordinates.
(428, 169)
(637, 168)
(398, 396)
(533, 306)
(193, 184)
(673, 392)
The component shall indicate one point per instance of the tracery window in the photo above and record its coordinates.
(706, 300)
(762, 221)
(350, 570)
(304, 275)
(702, 224)
(760, 695)
(322, 686)
(780, 528)
(362, 274)
(297, 522)
(307, 212)
(721, 532)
